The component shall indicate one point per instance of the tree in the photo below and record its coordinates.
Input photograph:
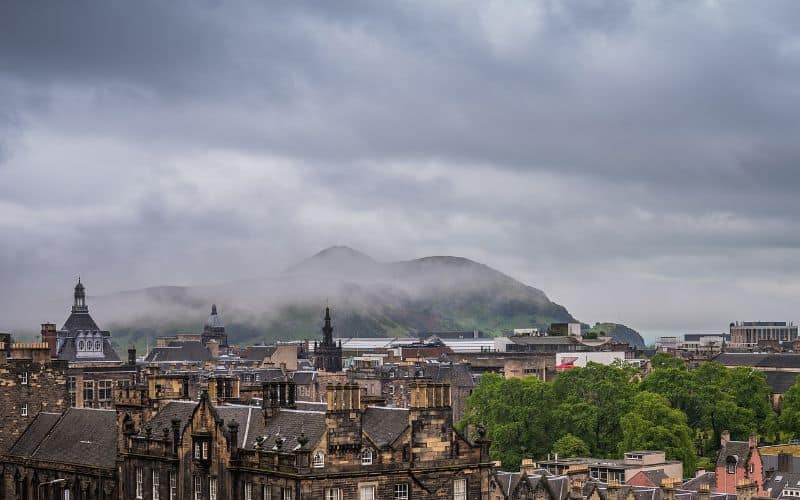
(789, 421)
(569, 445)
(665, 360)
(591, 402)
(653, 425)
(518, 416)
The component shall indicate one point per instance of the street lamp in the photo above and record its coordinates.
(46, 483)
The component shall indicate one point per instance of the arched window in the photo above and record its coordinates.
(318, 461)
(366, 456)
(96, 345)
(80, 345)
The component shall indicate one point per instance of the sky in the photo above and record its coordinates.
(639, 161)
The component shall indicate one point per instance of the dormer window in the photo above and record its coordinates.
(80, 345)
(366, 456)
(318, 461)
(96, 345)
(730, 465)
(24, 377)
(202, 448)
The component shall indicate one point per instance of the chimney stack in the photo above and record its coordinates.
(343, 418)
(50, 337)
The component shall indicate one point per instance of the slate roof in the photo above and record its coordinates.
(776, 360)
(26, 444)
(79, 436)
(258, 352)
(457, 374)
(507, 481)
(79, 321)
(780, 382)
(174, 409)
(304, 377)
(288, 424)
(384, 425)
(740, 449)
(779, 481)
(176, 352)
(709, 478)
(655, 476)
(69, 351)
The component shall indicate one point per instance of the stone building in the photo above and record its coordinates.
(214, 329)
(30, 382)
(80, 340)
(328, 355)
(287, 450)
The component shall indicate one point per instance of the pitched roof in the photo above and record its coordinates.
(182, 410)
(779, 481)
(457, 374)
(26, 444)
(384, 425)
(780, 382)
(776, 360)
(80, 321)
(709, 478)
(304, 377)
(738, 449)
(176, 352)
(79, 436)
(258, 352)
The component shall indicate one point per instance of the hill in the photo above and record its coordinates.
(619, 332)
(369, 299)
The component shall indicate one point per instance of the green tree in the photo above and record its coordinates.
(569, 445)
(653, 425)
(789, 421)
(666, 360)
(517, 414)
(591, 402)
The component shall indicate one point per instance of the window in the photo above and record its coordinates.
(139, 483)
(24, 410)
(66, 494)
(287, 493)
(460, 489)
(198, 488)
(205, 450)
(80, 345)
(366, 492)
(366, 456)
(212, 490)
(752, 468)
(267, 492)
(24, 377)
(197, 450)
(97, 345)
(104, 390)
(730, 465)
(248, 492)
(71, 386)
(318, 461)
(401, 491)
(173, 485)
(333, 494)
(156, 481)
(88, 392)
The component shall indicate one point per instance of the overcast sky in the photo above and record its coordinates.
(638, 161)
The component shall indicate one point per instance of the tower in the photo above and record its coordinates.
(79, 305)
(214, 329)
(328, 355)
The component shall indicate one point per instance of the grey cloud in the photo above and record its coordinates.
(565, 140)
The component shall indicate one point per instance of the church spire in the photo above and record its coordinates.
(327, 330)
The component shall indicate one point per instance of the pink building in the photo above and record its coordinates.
(738, 461)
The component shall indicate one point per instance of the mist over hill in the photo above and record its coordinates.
(369, 299)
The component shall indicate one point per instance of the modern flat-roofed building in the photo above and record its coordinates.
(749, 333)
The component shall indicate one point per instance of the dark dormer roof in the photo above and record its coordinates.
(258, 352)
(384, 425)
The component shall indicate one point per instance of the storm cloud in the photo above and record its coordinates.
(636, 160)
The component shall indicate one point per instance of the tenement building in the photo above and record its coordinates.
(30, 382)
